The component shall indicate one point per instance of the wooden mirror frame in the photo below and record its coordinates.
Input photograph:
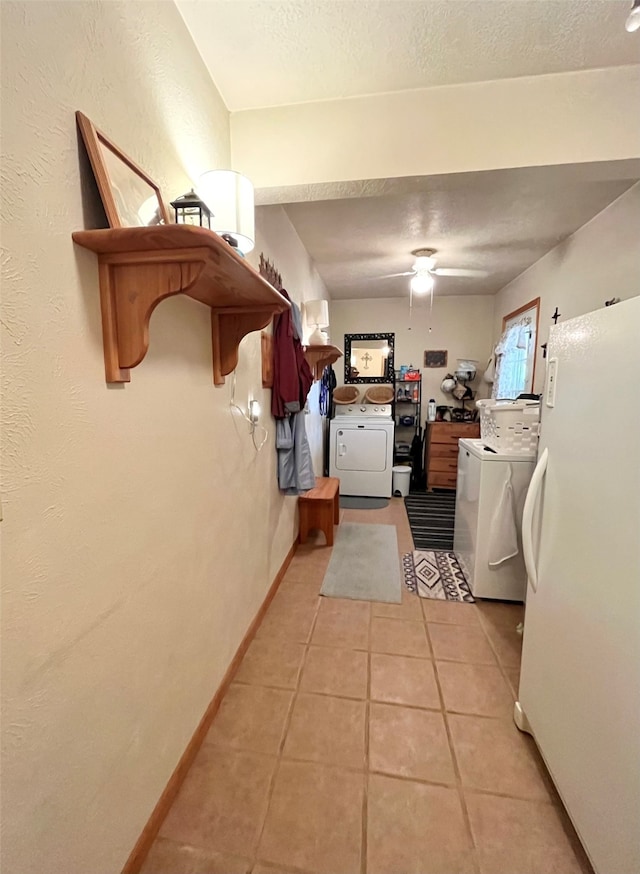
(93, 140)
(365, 380)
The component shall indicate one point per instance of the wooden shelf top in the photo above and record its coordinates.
(227, 280)
(139, 267)
(325, 350)
(321, 356)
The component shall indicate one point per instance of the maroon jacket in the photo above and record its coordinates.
(292, 376)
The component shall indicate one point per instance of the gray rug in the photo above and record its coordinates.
(364, 564)
(354, 502)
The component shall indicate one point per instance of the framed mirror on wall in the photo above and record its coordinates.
(368, 358)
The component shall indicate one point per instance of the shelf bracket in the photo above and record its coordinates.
(228, 327)
(129, 293)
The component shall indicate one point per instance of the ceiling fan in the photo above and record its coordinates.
(424, 270)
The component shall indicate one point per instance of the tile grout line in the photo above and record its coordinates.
(283, 737)
(456, 767)
(364, 848)
(495, 652)
(552, 792)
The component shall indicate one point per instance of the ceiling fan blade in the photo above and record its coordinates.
(454, 271)
(388, 276)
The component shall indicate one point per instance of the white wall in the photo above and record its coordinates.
(141, 530)
(460, 324)
(278, 240)
(560, 118)
(599, 261)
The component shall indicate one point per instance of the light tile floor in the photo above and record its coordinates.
(366, 738)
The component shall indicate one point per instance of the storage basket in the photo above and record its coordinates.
(379, 394)
(346, 394)
(510, 426)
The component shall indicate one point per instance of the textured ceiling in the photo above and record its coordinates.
(499, 221)
(272, 53)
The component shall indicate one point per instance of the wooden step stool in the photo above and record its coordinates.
(320, 508)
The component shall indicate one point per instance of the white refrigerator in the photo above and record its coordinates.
(580, 681)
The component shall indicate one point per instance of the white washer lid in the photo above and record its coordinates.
(477, 448)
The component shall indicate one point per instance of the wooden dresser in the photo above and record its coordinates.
(441, 451)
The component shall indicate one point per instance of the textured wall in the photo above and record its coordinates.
(461, 325)
(141, 529)
(600, 261)
(562, 118)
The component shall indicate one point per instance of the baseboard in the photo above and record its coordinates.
(150, 831)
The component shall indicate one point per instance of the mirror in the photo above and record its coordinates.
(368, 358)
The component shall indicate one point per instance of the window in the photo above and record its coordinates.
(516, 352)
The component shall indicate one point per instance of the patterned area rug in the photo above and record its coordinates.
(435, 574)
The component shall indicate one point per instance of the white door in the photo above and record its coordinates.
(580, 682)
(360, 448)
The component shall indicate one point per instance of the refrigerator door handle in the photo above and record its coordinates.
(527, 519)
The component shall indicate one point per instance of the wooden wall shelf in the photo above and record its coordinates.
(319, 357)
(141, 266)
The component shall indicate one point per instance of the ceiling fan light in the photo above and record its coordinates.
(633, 21)
(422, 283)
(425, 262)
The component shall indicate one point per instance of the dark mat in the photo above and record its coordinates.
(431, 517)
(355, 502)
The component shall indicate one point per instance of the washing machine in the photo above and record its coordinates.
(361, 449)
(482, 475)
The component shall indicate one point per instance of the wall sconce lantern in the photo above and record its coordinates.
(190, 210)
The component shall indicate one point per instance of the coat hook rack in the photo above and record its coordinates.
(270, 272)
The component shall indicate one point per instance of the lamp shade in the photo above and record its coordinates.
(229, 196)
(317, 313)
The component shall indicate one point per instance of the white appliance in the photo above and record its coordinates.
(361, 449)
(580, 681)
(482, 475)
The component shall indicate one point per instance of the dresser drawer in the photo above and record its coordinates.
(441, 480)
(442, 432)
(444, 450)
(443, 465)
(448, 437)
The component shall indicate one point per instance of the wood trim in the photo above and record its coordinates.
(266, 348)
(528, 306)
(150, 831)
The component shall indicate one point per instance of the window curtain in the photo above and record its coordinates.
(511, 360)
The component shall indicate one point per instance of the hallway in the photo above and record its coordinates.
(364, 738)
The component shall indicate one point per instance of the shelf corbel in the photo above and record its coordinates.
(139, 267)
(319, 357)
